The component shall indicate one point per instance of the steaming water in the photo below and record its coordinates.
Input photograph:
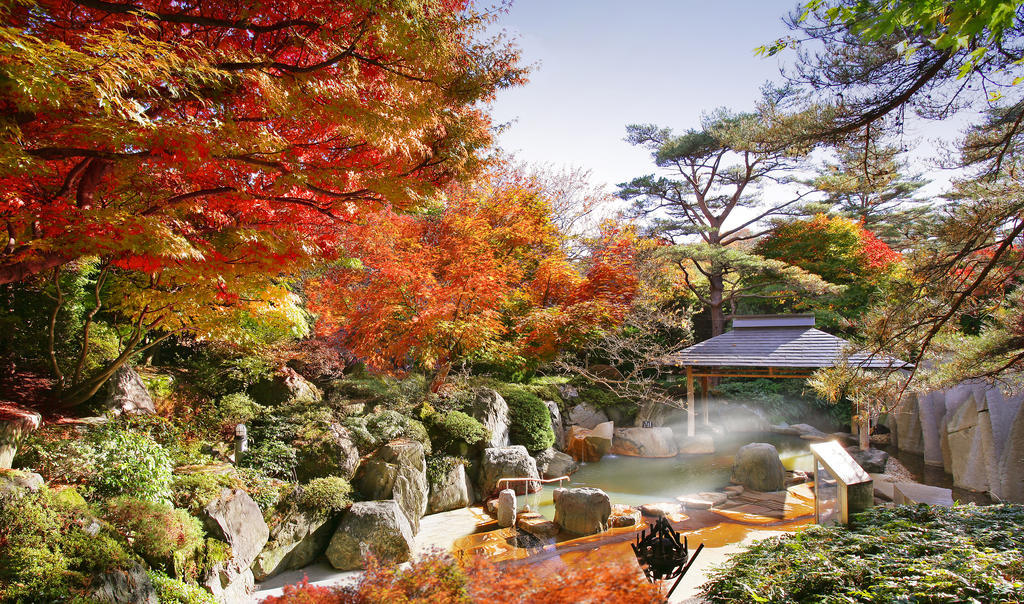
(637, 480)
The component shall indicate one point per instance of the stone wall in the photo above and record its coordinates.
(973, 431)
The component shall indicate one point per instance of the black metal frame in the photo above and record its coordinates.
(662, 555)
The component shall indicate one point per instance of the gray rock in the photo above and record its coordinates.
(286, 387)
(15, 425)
(235, 518)
(371, 527)
(757, 466)
(507, 462)
(784, 429)
(506, 508)
(872, 460)
(908, 426)
(1011, 465)
(586, 416)
(568, 392)
(398, 471)
(124, 587)
(453, 492)
(230, 585)
(554, 464)
(491, 410)
(331, 453)
(590, 445)
(583, 511)
(808, 430)
(295, 542)
(127, 394)
(556, 424)
(972, 447)
(15, 484)
(644, 442)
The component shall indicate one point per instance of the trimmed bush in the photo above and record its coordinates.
(452, 429)
(530, 421)
(193, 491)
(897, 554)
(440, 465)
(237, 408)
(155, 530)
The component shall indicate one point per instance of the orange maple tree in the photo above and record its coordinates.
(482, 274)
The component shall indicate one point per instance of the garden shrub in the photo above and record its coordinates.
(272, 458)
(173, 591)
(264, 490)
(452, 430)
(155, 530)
(784, 400)
(109, 460)
(50, 548)
(372, 431)
(237, 408)
(529, 419)
(389, 392)
(894, 554)
(324, 496)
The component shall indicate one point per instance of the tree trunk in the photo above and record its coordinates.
(716, 291)
(864, 435)
(440, 376)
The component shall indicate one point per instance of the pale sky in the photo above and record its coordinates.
(602, 65)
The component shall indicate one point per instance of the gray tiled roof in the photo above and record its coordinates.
(783, 346)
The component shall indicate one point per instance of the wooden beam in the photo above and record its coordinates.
(691, 429)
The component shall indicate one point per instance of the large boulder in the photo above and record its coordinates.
(757, 466)
(128, 586)
(972, 447)
(330, 452)
(582, 511)
(285, 386)
(296, 541)
(454, 491)
(554, 464)
(508, 462)
(1011, 465)
(398, 471)
(15, 424)
(491, 410)
(371, 527)
(873, 460)
(127, 394)
(586, 416)
(556, 424)
(235, 518)
(590, 445)
(644, 442)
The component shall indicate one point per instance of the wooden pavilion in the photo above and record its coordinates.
(765, 346)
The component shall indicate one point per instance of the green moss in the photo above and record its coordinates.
(898, 554)
(193, 491)
(173, 591)
(440, 465)
(51, 547)
(372, 431)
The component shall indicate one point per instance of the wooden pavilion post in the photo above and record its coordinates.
(705, 386)
(691, 429)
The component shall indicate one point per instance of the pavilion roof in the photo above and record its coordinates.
(776, 341)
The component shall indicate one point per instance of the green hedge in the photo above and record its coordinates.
(897, 554)
(530, 421)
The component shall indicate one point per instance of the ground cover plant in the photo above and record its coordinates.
(892, 554)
